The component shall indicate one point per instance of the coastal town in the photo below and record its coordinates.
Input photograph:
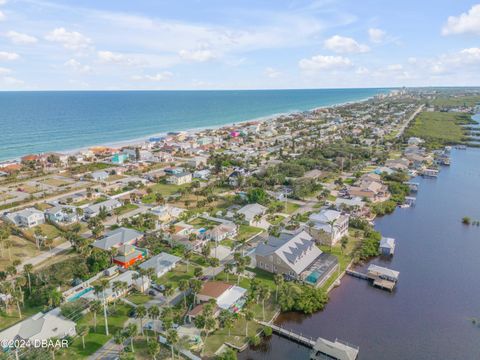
(189, 244)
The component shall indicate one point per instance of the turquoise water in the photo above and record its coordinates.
(35, 122)
(80, 294)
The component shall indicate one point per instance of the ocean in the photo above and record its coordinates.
(36, 122)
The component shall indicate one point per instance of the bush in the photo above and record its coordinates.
(254, 340)
(466, 220)
(267, 331)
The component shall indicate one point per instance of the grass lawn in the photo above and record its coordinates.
(138, 298)
(245, 232)
(95, 340)
(112, 178)
(21, 249)
(125, 209)
(439, 128)
(275, 219)
(167, 189)
(237, 333)
(50, 231)
(100, 199)
(55, 182)
(83, 202)
(7, 320)
(200, 222)
(178, 273)
(141, 350)
(291, 207)
(228, 243)
(42, 206)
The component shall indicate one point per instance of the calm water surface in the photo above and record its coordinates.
(428, 316)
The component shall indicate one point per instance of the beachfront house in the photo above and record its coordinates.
(328, 226)
(29, 217)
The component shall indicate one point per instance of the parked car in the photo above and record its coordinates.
(160, 288)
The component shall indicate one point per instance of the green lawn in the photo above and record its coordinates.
(200, 222)
(228, 243)
(95, 340)
(50, 231)
(275, 219)
(451, 101)
(291, 207)
(179, 273)
(439, 128)
(138, 298)
(245, 232)
(125, 209)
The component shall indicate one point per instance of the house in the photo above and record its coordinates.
(387, 246)
(236, 176)
(342, 204)
(128, 255)
(108, 205)
(166, 213)
(222, 232)
(202, 174)
(197, 161)
(251, 211)
(62, 214)
(161, 263)
(328, 226)
(290, 254)
(118, 237)
(28, 218)
(100, 175)
(119, 158)
(180, 178)
(226, 296)
(371, 187)
(42, 326)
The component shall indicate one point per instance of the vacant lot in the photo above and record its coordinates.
(21, 249)
(439, 128)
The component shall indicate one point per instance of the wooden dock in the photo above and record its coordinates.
(377, 281)
(299, 338)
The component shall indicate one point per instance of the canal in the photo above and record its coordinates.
(428, 316)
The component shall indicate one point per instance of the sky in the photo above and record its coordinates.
(237, 44)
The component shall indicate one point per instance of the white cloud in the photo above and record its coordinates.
(4, 71)
(2, 16)
(20, 38)
(342, 45)
(8, 56)
(395, 67)
(464, 23)
(71, 40)
(321, 62)
(376, 35)
(3, 2)
(109, 57)
(77, 66)
(163, 76)
(9, 80)
(361, 70)
(272, 73)
(200, 55)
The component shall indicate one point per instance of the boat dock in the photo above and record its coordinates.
(380, 277)
(321, 348)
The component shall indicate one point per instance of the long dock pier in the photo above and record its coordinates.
(299, 338)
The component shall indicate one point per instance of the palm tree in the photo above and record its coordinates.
(248, 317)
(187, 256)
(172, 338)
(279, 280)
(332, 229)
(141, 313)
(8, 245)
(166, 318)
(195, 285)
(210, 324)
(131, 331)
(228, 269)
(95, 307)
(154, 312)
(344, 243)
(183, 286)
(100, 288)
(153, 349)
(82, 330)
(264, 294)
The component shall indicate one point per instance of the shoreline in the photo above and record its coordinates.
(192, 131)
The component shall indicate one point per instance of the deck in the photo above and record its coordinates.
(376, 280)
(299, 338)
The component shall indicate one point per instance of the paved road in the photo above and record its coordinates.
(109, 351)
(45, 255)
(404, 126)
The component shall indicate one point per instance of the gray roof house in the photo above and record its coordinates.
(329, 226)
(387, 246)
(161, 263)
(62, 214)
(251, 210)
(338, 350)
(117, 238)
(109, 205)
(40, 327)
(29, 217)
(100, 175)
(289, 254)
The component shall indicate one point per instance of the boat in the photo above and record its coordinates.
(461, 147)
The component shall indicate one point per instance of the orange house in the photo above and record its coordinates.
(128, 255)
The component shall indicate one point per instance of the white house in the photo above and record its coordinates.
(108, 205)
(29, 217)
(387, 246)
(180, 178)
(328, 226)
(221, 232)
(40, 327)
(99, 175)
(161, 263)
(62, 214)
(166, 213)
(251, 211)
(202, 174)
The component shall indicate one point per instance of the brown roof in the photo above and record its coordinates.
(214, 289)
(196, 310)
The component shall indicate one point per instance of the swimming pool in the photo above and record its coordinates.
(79, 294)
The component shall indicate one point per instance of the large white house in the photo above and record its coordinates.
(29, 217)
(328, 226)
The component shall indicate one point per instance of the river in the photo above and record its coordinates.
(428, 316)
